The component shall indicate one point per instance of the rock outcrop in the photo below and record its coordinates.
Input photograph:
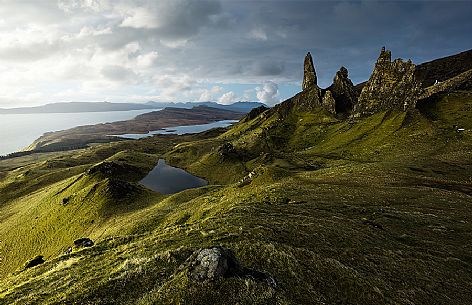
(462, 81)
(343, 92)
(442, 69)
(328, 102)
(392, 85)
(309, 73)
(254, 113)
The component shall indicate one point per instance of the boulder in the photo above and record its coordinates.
(210, 264)
(309, 73)
(83, 242)
(38, 260)
(214, 263)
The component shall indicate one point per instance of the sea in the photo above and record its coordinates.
(17, 131)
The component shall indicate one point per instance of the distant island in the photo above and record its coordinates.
(75, 107)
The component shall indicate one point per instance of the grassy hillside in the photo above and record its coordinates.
(367, 211)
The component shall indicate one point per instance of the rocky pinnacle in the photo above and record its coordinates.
(309, 76)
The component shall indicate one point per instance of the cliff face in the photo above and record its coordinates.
(343, 92)
(392, 85)
(309, 74)
(443, 68)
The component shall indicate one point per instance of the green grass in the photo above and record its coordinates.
(372, 211)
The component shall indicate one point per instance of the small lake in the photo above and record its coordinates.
(179, 130)
(20, 130)
(167, 179)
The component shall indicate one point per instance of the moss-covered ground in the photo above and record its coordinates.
(367, 211)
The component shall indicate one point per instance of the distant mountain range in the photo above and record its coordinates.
(74, 107)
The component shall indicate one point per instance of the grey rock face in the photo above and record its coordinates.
(392, 85)
(309, 74)
(343, 91)
(328, 102)
(254, 113)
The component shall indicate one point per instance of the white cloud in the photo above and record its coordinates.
(139, 17)
(258, 34)
(268, 93)
(228, 98)
(210, 94)
(147, 60)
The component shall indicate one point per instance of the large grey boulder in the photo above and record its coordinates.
(214, 263)
(211, 264)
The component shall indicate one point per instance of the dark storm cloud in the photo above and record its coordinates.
(347, 33)
(164, 46)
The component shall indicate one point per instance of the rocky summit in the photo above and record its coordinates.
(392, 85)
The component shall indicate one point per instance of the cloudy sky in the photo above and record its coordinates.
(199, 50)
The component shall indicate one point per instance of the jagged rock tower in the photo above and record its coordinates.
(309, 75)
(343, 92)
(392, 85)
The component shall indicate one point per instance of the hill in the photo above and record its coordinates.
(309, 202)
(81, 136)
(77, 107)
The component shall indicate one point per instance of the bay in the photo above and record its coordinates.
(17, 131)
(179, 130)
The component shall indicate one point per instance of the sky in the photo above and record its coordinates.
(209, 50)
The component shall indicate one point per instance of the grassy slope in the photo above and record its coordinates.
(368, 212)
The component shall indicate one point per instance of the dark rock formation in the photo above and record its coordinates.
(111, 168)
(392, 85)
(443, 68)
(343, 91)
(309, 74)
(218, 262)
(38, 260)
(119, 189)
(227, 150)
(83, 242)
(254, 113)
(328, 102)
(462, 81)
